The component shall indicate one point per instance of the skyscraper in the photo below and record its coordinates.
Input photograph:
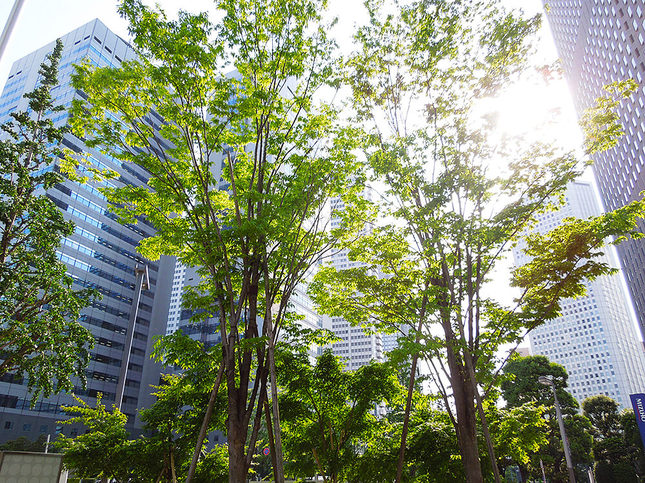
(599, 42)
(356, 346)
(101, 254)
(595, 338)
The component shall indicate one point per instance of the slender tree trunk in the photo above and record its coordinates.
(279, 459)
(204, 429)
(236, 429)
(406, 418)
(267, 413)
(408, 403)
(172, 465)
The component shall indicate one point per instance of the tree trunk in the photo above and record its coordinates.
(236, 429)
(466, 418)
(277, 437)
(482, 418)
(204, 429)
(267, 412)
(236, 456)
(408, 403)
(406, 418)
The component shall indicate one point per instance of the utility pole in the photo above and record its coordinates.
(143, 282)
(8, 27)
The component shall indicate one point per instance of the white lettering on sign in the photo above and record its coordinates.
(641, 409)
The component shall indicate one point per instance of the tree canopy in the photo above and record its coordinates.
(41, 338)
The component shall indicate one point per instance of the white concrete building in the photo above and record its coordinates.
(595, 338)
(357, 347)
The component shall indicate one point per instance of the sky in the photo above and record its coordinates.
(42, 21)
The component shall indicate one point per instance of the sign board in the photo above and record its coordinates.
(638, 403)
(24, 467)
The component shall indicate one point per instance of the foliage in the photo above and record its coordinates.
(601, 123)
(170, 425)
(617, 455)
(520, 384)
(101, 452)
(213, 467)
(40, 336)
(432, 454)
(518, 432)
(454, 203)
(327, 413)
(602, 412)
(241, 168)
(520, 387)
(632, 441)
(25, 444)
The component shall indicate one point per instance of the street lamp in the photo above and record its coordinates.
(547, 381)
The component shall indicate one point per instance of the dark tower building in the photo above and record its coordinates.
(101, 253)
(600, 42)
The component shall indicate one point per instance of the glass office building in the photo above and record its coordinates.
(101, 253)
(600, 42)
(595, 338)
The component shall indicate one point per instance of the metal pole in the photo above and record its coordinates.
(141, 283)
(563, 433)
(8, 27)
(543, 473)
(47, 444)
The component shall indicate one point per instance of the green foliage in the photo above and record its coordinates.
(40, 337)
(25, 444)
(602, 412)
(518, 432)
(101, 452)
(617, 447)
(601, 123)
(327, 413)
(240, 182)
(432, 454)
(521, 387)
(171, 426)
(453, 203)
(213, 466)
(520, 384)
(632, 441)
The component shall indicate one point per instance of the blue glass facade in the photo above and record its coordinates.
(101, 253)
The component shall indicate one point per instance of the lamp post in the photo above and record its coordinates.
(11, 22)
(142, 283)
(565, 442)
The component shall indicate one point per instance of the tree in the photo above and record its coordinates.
(102, 452)
(25, 444)
(40, 336)
(327, 412)
(602, 412)
(171, 426)
(520, 387)
(616, 459)
(633, 442)
(260, 134)
(457, 203)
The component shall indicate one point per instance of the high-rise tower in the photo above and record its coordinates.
(356, 347)
(595, 338)
(101, 253)
(599, 42)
